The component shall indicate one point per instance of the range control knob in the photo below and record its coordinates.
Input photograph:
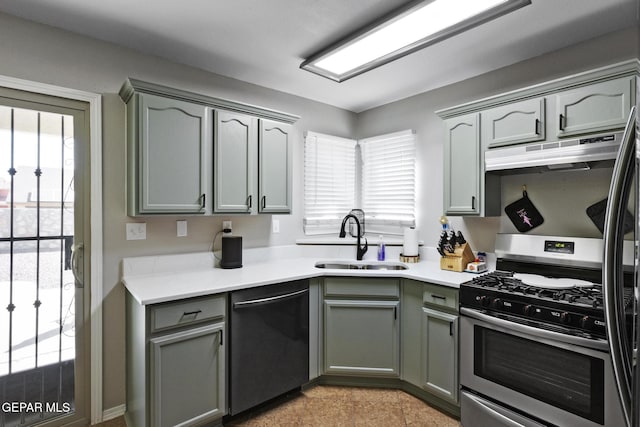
(565, 317)
(529, 310)
(497, 303)
(484, 301)
(587, 323)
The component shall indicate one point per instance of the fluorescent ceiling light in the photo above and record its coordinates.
(420, 24)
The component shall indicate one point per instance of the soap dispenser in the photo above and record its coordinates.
(381, 249)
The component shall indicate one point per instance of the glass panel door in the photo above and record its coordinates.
(41, 302)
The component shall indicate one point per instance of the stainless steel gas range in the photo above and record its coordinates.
(533, 337)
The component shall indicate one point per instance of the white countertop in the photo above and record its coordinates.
(157, 279)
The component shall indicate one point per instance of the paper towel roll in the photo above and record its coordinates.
(410, 247)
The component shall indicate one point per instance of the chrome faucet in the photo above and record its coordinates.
(360, 250)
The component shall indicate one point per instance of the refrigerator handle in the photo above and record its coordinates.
(612, 274)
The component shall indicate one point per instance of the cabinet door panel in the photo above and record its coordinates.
(172, 158)
(274, 167)
(514, 123)
(462, 166)
(187, 380)
(440, 353)
(361, 338)
(234, 163)
(598, 107)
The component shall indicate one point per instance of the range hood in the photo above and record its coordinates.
(570, 154)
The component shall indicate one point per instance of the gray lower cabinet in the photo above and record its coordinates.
(187, 376)
(176, 373)
(462, 165)
(166, 144)
(439, 337)
(440, 353)
(593, 108)
(361, 327)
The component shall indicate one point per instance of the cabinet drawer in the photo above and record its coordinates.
(362, 286)
(440, 295)
(183, 313)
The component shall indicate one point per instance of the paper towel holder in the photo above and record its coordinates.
(413, 258)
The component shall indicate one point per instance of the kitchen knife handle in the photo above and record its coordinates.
(561, 122)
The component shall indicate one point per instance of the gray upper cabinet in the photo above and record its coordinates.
(462, 165)
(597, 107)
(234, 159)
(252, 165)
(190, 153)
(166, 143)
(274, 167)
(514, 123)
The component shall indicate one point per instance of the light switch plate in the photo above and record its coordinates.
(181, 228)
(136, 230)
(275, 226)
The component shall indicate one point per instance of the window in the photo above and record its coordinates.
(329, 181)
(388, 181)
(386, 190)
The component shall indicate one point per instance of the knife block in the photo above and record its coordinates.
(458, 260)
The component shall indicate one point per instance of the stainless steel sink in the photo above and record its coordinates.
(361, 265)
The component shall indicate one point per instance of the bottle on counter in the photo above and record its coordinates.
(381, 249)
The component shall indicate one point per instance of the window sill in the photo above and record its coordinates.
(335, 240)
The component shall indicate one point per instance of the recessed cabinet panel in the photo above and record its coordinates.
(274, 151)
(188, 380)
(594, 108)
(167, 151)
(440, 353)
(462, 166)
(361, 338)
(514, 123)
(235, 145)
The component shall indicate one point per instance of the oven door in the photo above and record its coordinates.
(545, 376)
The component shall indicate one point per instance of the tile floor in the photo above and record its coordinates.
(332, 406)
(328, 406)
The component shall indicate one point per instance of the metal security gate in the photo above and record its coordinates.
(38, 289)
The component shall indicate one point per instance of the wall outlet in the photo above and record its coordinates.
(227, 225)
(136, 230)
(181, 228)
(275, 226)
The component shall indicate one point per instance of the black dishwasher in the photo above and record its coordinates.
(269, 343)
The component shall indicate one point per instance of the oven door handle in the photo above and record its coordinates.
(493, 414)
(595, 344)
(612, 274)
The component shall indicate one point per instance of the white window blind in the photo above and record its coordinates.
(329, 181)
(388, 181)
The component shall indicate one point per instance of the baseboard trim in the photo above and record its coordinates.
(115, 412)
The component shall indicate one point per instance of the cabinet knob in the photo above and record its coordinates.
(561, 122)
(249, 201)
(537, 131)
(264, 202)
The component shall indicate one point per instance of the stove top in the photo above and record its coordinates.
(574, 310)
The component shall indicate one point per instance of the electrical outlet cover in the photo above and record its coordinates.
(136, 230)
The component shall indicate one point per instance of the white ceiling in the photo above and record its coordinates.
(264, 42)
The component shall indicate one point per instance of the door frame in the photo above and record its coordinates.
(95, 137)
